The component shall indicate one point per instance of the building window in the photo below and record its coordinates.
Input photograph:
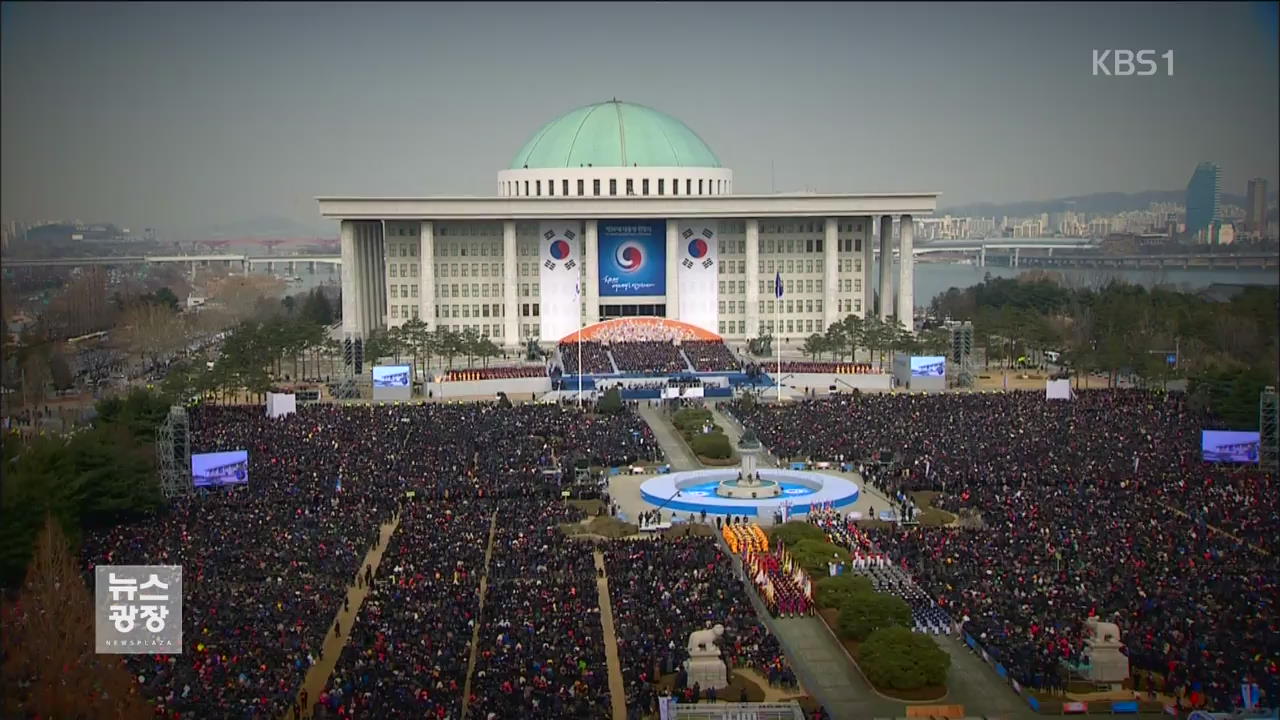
(393, 270)
(613, 187)
(551, 188)
(661, 183)
(394, 289)
(413, 290)
(579, 187)
(595, 184)
(644, 186)
(537, 187)
(699, 187)
(675, 186)
(394, 314)
(526, 188)
(630, 187)
(688, 186)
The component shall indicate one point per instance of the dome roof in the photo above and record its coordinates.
(615, 134)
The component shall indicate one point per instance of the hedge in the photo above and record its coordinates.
(832, 591)
(712, 446)
(864, 613)
(898, 659)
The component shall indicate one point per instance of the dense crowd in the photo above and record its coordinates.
(1098, 506)
(662, 590)
(266, 564)
(642, 330)
(407, 655)
(652, 356)
(541, 647)
(709, 355)
(595, 359)
(796, 366)
(496, 373)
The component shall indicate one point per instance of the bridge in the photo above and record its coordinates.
(245, 261)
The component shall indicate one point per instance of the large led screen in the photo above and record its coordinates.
(220, 468)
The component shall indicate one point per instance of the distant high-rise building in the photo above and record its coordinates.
(1255, 219)
(1204, 196)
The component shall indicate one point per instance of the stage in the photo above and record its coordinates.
(697, 492)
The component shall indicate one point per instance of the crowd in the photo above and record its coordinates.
(794, 366)
(407, 655)
(642, 330)
(496, 373)
(541, 647)
(266, 564)
(662, 590)
(595, 359)
(709, 355)
(1100, 506)
(783, 585)
(650, 356)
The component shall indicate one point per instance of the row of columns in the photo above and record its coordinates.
(364, 275)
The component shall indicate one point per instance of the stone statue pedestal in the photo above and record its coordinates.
(749, 485)
(1102, 645)
(704, 665)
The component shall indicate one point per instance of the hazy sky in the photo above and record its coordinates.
(186, 116)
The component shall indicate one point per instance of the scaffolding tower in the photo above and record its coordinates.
(1268, 431)
(173, 451)
(962, 352)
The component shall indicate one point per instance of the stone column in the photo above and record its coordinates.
(427, 273)
(590, 256)
(350, 309)
(510, 301)
(906, 274)
(831, 272)
(753, 278)
(886, 266)
(868, 262)
(673, 277)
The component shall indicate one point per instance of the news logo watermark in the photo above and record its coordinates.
(138, 609)
(1126, 63)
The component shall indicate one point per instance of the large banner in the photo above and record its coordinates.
(560, 252)
(699, 276)
(633, 258)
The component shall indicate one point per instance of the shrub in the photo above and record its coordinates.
(863, 614)
(899, 659)
(711, 446)
(611, 402)
(813, 555)
(793, 532)
(831, 592)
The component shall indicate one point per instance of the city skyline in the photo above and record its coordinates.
(120, 114)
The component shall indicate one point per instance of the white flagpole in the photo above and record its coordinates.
(777, 323)
(578, 296)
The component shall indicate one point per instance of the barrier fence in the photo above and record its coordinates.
(1068, 707)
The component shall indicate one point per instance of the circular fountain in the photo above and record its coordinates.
(747, 489)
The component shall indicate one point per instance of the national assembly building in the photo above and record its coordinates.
(617, 210)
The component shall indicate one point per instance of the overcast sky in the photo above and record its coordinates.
(186, 116)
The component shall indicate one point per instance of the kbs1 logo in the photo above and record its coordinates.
(1124, 63)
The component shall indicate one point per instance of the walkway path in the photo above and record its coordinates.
(318, 675)
(475, 632)
(617, 688)
(677, 452)
(1216, 529)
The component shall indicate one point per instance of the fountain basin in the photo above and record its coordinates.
(698, 492)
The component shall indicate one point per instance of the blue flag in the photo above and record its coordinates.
(777, 285)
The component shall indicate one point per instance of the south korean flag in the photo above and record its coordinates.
(698, 275)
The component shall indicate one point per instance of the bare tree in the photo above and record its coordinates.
(83, 306)
(50, 667)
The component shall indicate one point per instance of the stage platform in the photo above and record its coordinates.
(802, 489)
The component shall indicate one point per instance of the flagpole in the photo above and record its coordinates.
(777, 323)
(578, 295)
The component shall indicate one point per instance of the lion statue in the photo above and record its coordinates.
(703, 642)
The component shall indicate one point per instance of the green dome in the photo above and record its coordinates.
(615, 134)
